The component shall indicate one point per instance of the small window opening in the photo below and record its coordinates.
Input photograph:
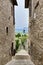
(7, 30)
(13, 51)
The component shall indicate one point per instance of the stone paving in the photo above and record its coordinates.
(21, 58)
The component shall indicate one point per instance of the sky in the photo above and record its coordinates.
(21, 15)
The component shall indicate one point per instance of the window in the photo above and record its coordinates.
(7, 30)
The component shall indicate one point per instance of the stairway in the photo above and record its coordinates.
(21, 58)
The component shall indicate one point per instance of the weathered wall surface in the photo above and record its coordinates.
(6, 20)
(36, 33)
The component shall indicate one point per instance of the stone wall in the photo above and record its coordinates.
(6, 31)
(36, 33)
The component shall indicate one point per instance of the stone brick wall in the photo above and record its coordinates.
(36, 33)
(6, 20)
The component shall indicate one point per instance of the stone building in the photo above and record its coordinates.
(36, 29)
(6, 29)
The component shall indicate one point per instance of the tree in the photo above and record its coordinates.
(17, 44)
(18, 35)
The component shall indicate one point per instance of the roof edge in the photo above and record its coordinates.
(14, 2)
